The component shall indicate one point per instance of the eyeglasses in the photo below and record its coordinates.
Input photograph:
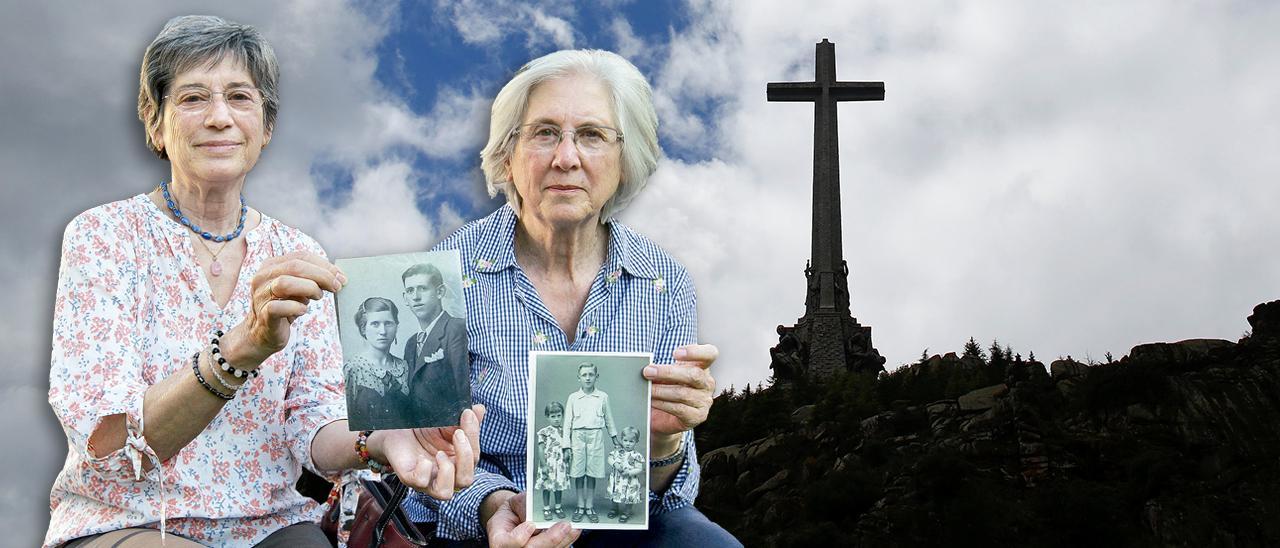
(198, 99)
(588, 139)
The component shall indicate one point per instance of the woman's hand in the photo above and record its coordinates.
(436, 461)
(279, 294)
(682, 392)
(506, 526)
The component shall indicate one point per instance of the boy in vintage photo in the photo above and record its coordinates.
(587, 418)
(626, 486)
(552, 471)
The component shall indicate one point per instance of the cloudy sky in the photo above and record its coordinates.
(1070, 180)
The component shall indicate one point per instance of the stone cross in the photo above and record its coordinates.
(827, 252)
(827, 337)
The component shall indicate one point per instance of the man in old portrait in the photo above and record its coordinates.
(436, 355)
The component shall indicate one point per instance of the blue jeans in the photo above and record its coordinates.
(683, 527)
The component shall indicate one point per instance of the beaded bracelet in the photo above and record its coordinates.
(216, 354)
(195, 367)
(223, 381)
(362, 451)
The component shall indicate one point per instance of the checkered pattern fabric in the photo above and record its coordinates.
(642, 300)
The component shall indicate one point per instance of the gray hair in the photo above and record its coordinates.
(632, 107)
(190, 40)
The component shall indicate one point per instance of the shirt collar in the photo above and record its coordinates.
(497, 247)
(594, 393)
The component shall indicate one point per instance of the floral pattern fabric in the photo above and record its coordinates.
(553, 472)
(625, 467)
(132, 306)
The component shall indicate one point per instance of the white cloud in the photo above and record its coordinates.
(490, 22)
(1069, 180)
(627, 43)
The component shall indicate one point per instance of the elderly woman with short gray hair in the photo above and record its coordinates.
(572, 140)
(195, 366)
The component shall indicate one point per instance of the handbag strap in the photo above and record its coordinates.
(393, 512)
(388, 513)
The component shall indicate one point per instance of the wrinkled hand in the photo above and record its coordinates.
(682, 392)
(279, 294)
(435, 461)
(508, 528)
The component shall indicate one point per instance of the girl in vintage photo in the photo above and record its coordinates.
(626, 487)
(553, 473)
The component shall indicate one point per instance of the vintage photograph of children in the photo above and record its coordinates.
(402, 324)
(588, 430)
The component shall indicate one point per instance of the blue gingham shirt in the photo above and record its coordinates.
(642, 300)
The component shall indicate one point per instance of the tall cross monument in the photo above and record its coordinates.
(828, 338)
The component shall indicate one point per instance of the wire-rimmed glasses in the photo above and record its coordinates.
(543, 137)
(198, 99)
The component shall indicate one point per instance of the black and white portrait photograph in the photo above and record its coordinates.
(402, 324)
(588, 439)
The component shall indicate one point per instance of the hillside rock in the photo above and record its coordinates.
(1179, 352)
(1177, 444)
(982, 398)
(1066, 369)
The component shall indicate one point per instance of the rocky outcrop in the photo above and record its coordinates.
(1177, 353)
(1177, 444)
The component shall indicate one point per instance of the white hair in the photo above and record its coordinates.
(632, 109)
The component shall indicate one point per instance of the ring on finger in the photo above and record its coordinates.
(273, 288)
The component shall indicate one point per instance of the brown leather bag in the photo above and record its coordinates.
(374, 525)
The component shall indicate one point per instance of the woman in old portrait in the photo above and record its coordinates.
(377, 381)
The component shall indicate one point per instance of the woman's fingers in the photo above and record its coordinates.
(292, 288)
(682, 395)
(694, 377)
(307, 266)
(436, 439)
(697, 354)
(419, 477)
(557, 536)
(470, 422)
(272, 311)
(464, 461)
(442, 486)
(689, 416)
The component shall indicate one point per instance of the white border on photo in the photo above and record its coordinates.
(428, 404)
(641, 515)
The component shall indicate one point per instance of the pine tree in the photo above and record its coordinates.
(997, 353)
(974, 352)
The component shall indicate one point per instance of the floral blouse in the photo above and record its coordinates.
(132, 306)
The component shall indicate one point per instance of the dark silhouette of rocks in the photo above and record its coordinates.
(1176, 444)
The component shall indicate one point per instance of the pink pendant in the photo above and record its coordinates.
(215, 268)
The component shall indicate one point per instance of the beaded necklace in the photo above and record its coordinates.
(177, 213)
(215, 267)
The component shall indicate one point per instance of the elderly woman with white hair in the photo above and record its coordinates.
(195, 366)
(572, 140)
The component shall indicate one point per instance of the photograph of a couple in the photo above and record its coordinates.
(402, 324)
(588, 430)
